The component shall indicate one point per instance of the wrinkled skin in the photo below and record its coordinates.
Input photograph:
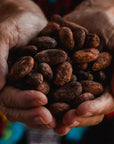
(20, 21)
(98, 17)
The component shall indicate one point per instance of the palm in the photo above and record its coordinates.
(100, 20)
(21, 22)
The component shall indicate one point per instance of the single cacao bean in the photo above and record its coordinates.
(68, 92)
(102, 62)
(63, 74)
(86, 55)
(21, 68)
(51, 56)
(58, 109)
(66, 38)
(50, 29)
(46, 70)
(92, 87)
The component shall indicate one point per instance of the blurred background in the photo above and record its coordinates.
(17, 133)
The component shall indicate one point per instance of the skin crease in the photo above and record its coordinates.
(97, 17)
(21, 22)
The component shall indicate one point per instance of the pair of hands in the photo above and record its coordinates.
(21, 21)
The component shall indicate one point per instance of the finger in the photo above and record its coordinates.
(3, 63)
(35, 116)
(13, 97)
(82, 122)
(101, 105)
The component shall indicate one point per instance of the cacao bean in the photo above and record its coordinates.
(102, 62)
(86, 55)
(58, 109)
(63, 74)
(68, 92)
(82, 98)
(66, 38)
(52, 56)
(50, 29)
(21, 68)
(46, 70)
(92, 40)
(92, 87)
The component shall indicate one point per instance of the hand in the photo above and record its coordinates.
(20, 21)
(97, 17)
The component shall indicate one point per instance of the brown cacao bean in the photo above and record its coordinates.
(44, 87)
(21, 68)
(44, 42)
(86, 55)
(46, 70)
(66, 38)
(92, 87)
(58, 109)
(50, 29)
(33, 80)
(68, 92)
(63, 74)
(82, 98)
(102, 62)
(82, 75)
(92, 40)
(52, 56)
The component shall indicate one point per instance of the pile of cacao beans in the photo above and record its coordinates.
(65, 62)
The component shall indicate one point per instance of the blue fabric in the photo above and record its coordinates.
(76, 134)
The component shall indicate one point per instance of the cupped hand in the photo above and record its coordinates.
(20, 21)
(97, 17)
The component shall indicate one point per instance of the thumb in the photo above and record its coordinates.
(4, 50)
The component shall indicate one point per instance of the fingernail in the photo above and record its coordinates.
(39, 120)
